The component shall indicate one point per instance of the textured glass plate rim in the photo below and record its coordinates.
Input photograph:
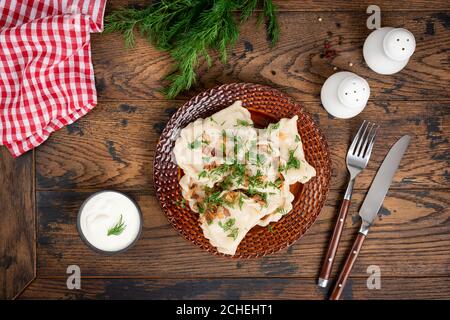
(194, 103)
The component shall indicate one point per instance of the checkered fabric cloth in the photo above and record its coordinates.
(46, 75)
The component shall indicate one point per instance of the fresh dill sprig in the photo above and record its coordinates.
(189, 30)
(118, 228)
(181, 203)
(292, 163)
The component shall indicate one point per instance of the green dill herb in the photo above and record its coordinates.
(118, 228)
(190, 30)
(256, 180)
(297, 138)
(234, 233)
(212, 120)
(276, 184)
(214, 198)
(202, 174)
(201, 208)
(243, 123)
(269, 228)
(260, 159)
(181, 203)
(228, 224)
(240, 201)
(194, 144)
(236, 145)
(273, 126)
(292, 163)
(281, 211)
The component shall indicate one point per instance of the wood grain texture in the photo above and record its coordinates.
(261, 289)
(409, 239)
(298, 65)
(113, 146)
(17, 227)
(328, 5)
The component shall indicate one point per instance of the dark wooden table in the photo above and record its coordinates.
(113, 148)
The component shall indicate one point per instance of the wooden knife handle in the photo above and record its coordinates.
(334, 243)
(340, 284)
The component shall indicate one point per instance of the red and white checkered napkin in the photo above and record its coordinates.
(46, 75)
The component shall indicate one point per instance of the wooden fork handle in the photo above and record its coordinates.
(334, 243)
(351, 259)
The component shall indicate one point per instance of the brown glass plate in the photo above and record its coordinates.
(266, 105)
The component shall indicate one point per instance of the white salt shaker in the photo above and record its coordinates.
(344, 94)
(387, 50)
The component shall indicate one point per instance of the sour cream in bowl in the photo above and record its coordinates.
(109, 222)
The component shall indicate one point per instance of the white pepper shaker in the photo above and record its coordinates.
(344, 94)
(387, 50)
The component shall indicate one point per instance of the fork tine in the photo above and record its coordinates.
(366, 140)
(356, 139)
(361, 141)
(371, 143)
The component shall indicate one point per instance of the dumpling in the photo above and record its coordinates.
(237, 176)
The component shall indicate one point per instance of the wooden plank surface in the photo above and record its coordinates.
(260, 289)
(329, 5)
(113, 147)
(17, 227)
(410, 238)
(296, 65)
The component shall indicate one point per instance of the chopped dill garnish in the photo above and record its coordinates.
(240, 200)
(243, 123)
(281, 211)
(228, 224)
(212, 120)
(292, 163)
(118, 228)
(273, 126)
(260, 159)
(194, 144)
(276, 184)
(297, 138)
(181, 203)
(270, 228)
(234, 233)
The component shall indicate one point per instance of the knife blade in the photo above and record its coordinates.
(383, 179)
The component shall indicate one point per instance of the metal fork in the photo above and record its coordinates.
(357, 158)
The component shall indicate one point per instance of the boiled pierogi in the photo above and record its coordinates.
(237, 176)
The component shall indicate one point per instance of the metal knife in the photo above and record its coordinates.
(370, 207)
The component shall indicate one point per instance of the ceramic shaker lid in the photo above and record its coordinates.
(387, 50)
(345, 94)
